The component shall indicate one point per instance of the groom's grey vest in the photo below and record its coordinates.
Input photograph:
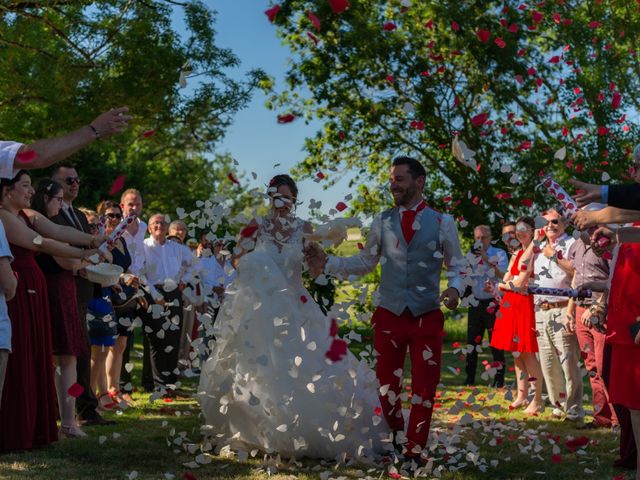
(410, 273)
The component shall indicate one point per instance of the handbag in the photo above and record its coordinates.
(101, 321)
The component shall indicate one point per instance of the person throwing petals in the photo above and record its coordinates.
(410, 241)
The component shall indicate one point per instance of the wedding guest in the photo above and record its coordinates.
(190, 297)
(178, 230)
(509, 237)
(408, 316)
(131, 202)
(557, 342)
(87, 403)
(123, 300)
(622, 313)
(8, 284)
(28, 413)
(43, 153)
(168, 268)
(216, 274)
(515, 326)
(488, 264)
(591, 271)
(67, 328)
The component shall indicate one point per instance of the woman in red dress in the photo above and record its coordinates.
(28, 410)
(623, 312)
(68, 330)
(515, 326)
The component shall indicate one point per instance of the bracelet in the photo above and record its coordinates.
(95, 132)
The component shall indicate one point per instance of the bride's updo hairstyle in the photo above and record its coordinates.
(280, 180)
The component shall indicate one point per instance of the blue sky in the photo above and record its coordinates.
(255, 139)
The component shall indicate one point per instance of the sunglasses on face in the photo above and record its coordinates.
(72, 180)
(112, 216)
(555, 221)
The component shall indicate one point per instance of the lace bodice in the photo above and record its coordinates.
(281, 238)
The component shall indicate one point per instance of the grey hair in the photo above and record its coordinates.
(483, 227)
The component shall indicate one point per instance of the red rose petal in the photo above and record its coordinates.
(248, 231)
(75, 390)
(337, 351)
(333, 330)
(233, 179)
(149, 133)
(479, 120)
(26, 156)
(117, 185)
(338, 6)
(286, 118)
(556, 458)
(341, 206)
(271, 13)
(483, 35)
(377, 411)
(303, 299)
(315, 21)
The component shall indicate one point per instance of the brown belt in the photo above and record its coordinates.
(550, 305)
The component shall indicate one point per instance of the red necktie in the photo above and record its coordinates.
(408, 217)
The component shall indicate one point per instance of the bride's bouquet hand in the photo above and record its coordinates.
(315, 257)
(334, 231)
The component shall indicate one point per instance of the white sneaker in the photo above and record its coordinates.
(557, 413)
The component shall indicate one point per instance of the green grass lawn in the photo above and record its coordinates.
(478, 437)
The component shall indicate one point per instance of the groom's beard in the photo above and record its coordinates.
(404, 197)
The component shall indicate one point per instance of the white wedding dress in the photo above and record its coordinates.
(267, 384)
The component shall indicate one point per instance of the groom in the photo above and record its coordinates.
(410, 241)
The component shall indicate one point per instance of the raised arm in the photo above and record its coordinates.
(245, 243)
(584, 219)
(62, 233)
(362, 263)
(51, 150)
(21, 235)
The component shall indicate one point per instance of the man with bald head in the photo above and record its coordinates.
(488, 264)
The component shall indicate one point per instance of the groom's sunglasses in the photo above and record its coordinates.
(71, 180)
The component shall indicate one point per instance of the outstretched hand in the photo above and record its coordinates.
(114, 121)
(315, 257)
(450, 297)
(586, 192)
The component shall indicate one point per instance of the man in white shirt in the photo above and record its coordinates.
(488, 265)
(168, 268)
(131, 202)
(557, 342)
(15, 156)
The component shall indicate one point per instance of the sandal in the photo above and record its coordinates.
(71, 431)
(106, 406)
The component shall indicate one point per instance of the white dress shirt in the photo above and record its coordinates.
(367, 259)
(8, 152)
(167, 261)
(213, 275)
(547, 271)
(135, 244)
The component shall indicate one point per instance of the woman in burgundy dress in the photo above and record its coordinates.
(68, 330)
(28, 409)
(515, 326)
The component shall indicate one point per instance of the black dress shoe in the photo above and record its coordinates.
(98, 420)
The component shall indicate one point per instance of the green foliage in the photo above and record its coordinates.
(63, 62)
(546, 78)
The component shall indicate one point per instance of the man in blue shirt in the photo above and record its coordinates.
(488, 265)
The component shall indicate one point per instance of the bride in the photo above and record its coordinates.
(267, 384)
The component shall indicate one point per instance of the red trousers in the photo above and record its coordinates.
(422, 336)
(592, 348)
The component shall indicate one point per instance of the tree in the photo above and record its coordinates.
(62, 62)
(516, 81)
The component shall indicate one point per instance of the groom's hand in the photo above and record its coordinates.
(450, 297)
(315, 257)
